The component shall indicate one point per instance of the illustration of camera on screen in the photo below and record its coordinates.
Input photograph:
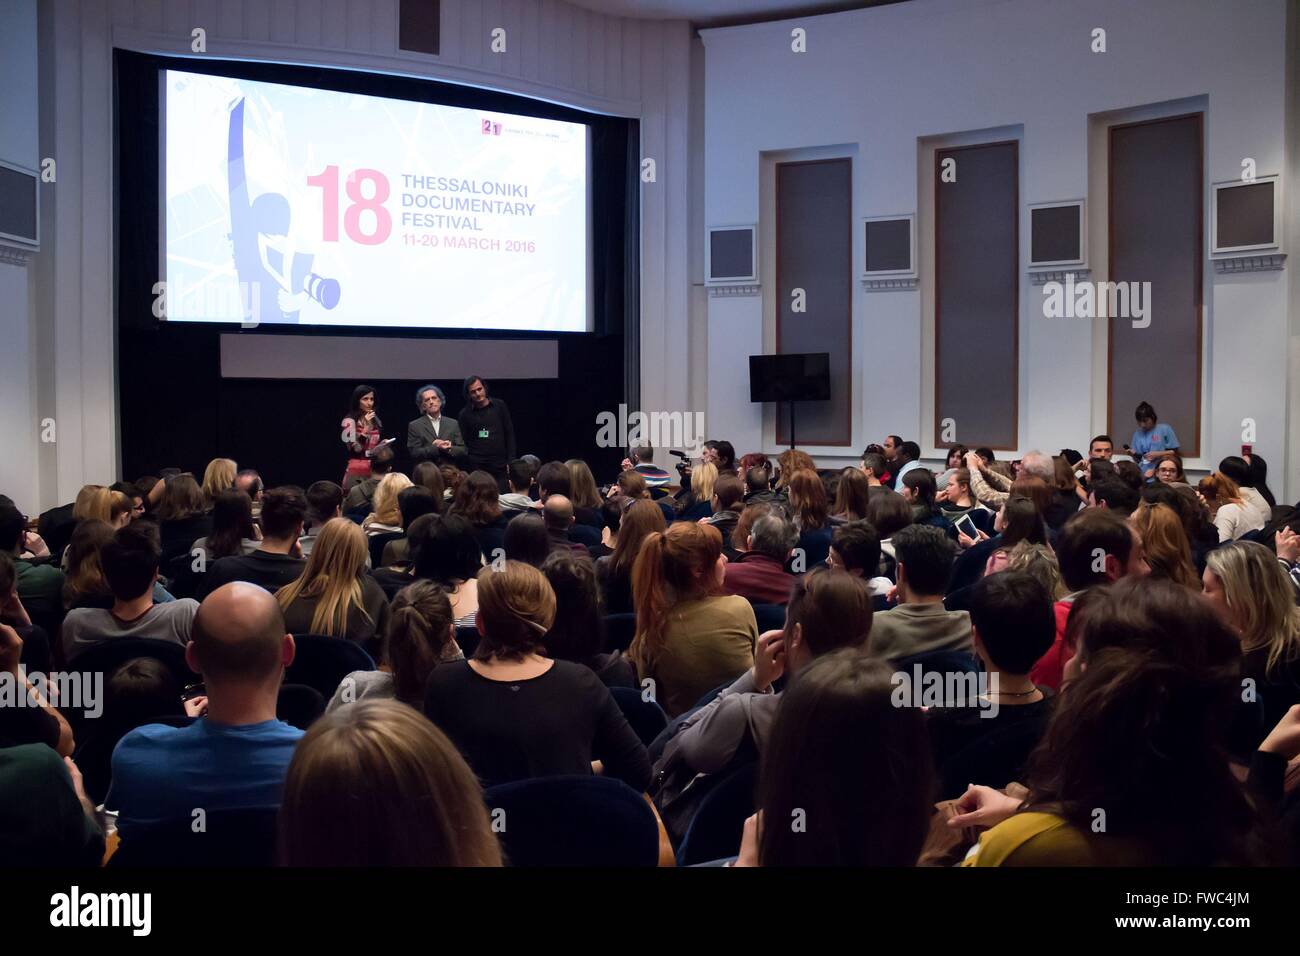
(267, 259)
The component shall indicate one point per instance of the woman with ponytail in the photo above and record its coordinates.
(690, 636)
(421, 635)
(516, 714)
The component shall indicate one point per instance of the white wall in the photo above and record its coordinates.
(19, 146)
(554, 51)
(887, 77)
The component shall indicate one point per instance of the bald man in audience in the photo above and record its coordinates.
(558, 514)
(236, 753)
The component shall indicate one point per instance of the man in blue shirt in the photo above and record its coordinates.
(1151, 442)
(236, 755)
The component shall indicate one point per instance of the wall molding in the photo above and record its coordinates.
(734, 291)
(895, 284)
(1267, 262)
(16, 255)
(1044, 276)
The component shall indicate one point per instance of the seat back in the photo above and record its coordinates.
(227, 838)
(770, 617)
(573, 821)
(321, 662)
(646, 717)
(716, 829)
(940, 664)
(619, 631)
(377, 542)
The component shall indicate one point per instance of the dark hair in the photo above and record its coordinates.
(888, 514)
(8, 572)
(1143, 412)
(876, 462)
(985, 453)
(757, 479)
(140, 689)
(477, 499)
(470, 380)
(12, 525)
(255, 485)
(419, 633)
(1130, 474)
(450, 552)
(354, 406)
(1022, 521)
(1235, 467)
(611, 514)
(553, 479)
(130, 560)
(852, 495)
(911, 449)
(324, 499)
(428, 475)
(520, 473)
(578, 632)
(834, 762)
(1013, 614)
(283, 510)
(381, 462)
(921, 481)
(898, 440)
(832, 609)
(927, 554)
(232, 522)
(1259, 479)
(726, 454)
(1084, 533)
(1097, 438)
(415, 501)
(1116, 495)
(1144, 726)
(1100, 469)
(730, 492)
(526, 539)
(858, 546)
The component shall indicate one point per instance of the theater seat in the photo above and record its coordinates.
(716, 829)
(645, 716)
(619, 631)
(322, 662)
(573, 821)
(229, 838)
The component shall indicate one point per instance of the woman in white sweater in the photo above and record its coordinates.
(1233, 515)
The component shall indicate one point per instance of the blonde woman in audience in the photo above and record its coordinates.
(219, 476)
(1247, 581)
(334, 595)
(1165, 542)
(690, 636)
(120, 509)
(421, 635)
(696, 502)
(386, 516)
(376, 784)
(1036, 560)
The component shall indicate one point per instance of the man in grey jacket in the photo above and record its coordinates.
(434, 436)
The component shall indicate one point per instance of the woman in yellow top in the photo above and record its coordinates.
(690, 637)
(1132, 770)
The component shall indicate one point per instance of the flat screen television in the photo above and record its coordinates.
(797, 377)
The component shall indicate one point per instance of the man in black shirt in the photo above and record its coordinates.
(279, 561)
(487, 430)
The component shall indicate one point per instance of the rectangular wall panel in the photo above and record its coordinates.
(1156, 214)
(814, 253)
(977, 295)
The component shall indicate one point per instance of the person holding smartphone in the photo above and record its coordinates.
(1152, 442)
(361, 435)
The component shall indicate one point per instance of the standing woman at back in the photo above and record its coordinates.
(361, 434)
(690, 637)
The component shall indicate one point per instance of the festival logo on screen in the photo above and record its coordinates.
(491, 128)
(266, 258)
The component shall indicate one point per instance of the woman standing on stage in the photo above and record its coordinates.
(361, 433)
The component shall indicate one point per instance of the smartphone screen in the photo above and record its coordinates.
(966, 526)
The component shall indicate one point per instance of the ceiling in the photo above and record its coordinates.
(712, 13)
